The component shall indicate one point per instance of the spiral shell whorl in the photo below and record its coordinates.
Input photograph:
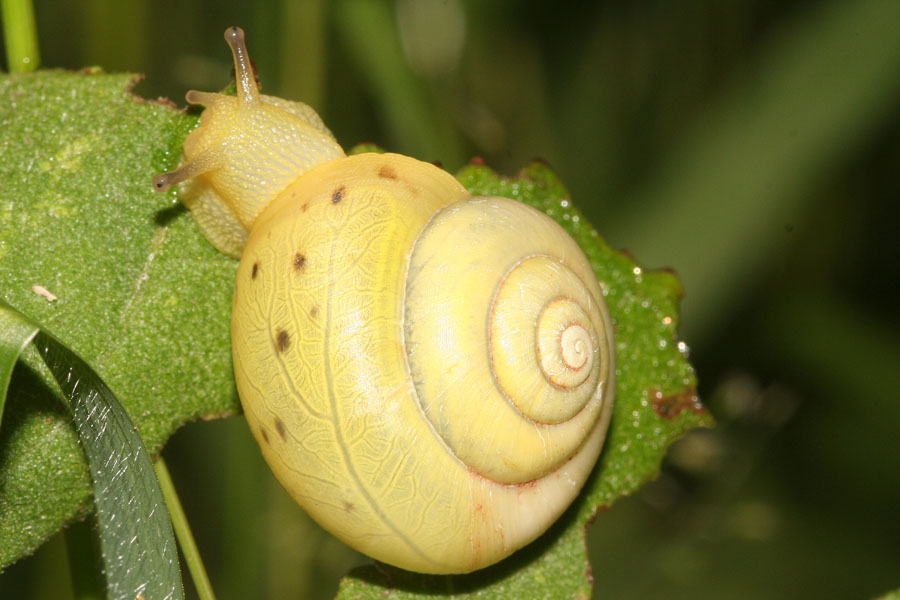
(530, 347)
(575, 344)
(545, 347)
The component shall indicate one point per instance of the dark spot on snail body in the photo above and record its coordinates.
(314, 312)
(264, 434)
(299, 261)
(255, 270)
(282, 341)
(281, 429)
(668, 407)
(348, 506)
(387, 172)
(338, 195)
(305, 207)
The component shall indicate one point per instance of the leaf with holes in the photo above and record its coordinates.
(113, 270)
(123, 275)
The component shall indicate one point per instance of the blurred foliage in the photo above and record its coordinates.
(768, 133)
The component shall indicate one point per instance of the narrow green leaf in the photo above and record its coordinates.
(137, 543)
(16, 331)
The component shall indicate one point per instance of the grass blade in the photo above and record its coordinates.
(16, 331)
(136, 539)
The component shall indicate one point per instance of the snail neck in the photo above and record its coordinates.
(245, 151)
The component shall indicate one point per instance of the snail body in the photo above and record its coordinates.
(428, 373)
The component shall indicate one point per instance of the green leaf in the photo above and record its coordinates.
(140, 293)
(136, 538)
(656, 402)
(81, 221)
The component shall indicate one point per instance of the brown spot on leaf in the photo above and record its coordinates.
(387, 172)
(281, 429)
(589, 575)
(601, 508)
(282, 340)
(627, 254)
(299, 261)
(338, 195)
(668, 407)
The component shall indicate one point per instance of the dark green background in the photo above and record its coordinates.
(752, 146)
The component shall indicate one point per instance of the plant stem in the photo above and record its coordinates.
(20, 33)
(84, 568)
(183, 532)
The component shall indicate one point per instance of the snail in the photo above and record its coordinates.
(429, 374)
